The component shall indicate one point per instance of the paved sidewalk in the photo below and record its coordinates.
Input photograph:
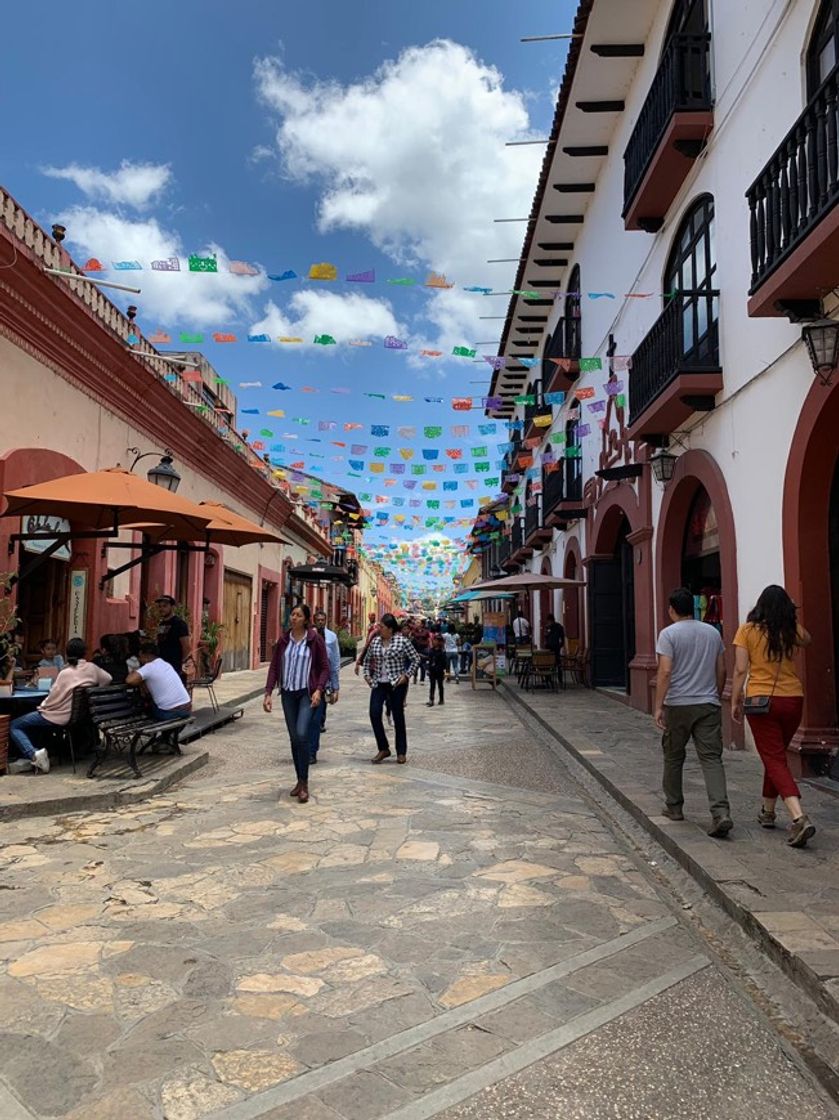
(403, 945)
(786, 899)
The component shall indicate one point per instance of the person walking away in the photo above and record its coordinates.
(420, 640)
(173, 643)
(300, 667)
(56, 709)
(388, 665)
(691, 676)
(764, 647)
(167, 694)
(521, 628)
(554, 636)
(465, 657)
(437, 661)
(450, 642)
(333, 656)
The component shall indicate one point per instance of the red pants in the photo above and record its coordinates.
(773, 734)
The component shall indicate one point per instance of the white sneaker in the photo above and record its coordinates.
(20, 766)
(41, 761)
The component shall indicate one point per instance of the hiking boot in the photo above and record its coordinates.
(766, 818)
(800, 832)
(721, 827)
(672, 813)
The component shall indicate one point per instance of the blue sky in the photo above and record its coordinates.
(269, 133)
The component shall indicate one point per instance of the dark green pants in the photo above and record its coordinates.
(703, 723)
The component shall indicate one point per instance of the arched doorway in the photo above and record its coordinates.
(571, 600)
(612, 608)
(701, 565)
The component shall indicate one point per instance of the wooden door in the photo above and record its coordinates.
(237, 621)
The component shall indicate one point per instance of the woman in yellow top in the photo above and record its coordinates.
(764, 648)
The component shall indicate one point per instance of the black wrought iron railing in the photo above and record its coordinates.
(517, 537)
(683, 340)
(682, 84)
(553, 487)
(533, 517)
(573, 479)
(504, 551)
(798, 186)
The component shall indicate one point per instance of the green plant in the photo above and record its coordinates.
(347, 643)
(153, 615)
(211, 635)
(9, 623)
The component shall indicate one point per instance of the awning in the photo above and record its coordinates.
(320, 573)
(226, 527)
(529, 581)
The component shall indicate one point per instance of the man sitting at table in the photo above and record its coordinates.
(169, 698)
(57, 707)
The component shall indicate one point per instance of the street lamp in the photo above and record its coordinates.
(663, 464)
(822, 341)
(163, 474)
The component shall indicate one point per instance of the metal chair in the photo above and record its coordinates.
(208, 681)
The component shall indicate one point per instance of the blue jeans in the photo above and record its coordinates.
(316, 726)
(453, 664)
(23, 726)
(298, 712)
(380, 697)
(171, 713)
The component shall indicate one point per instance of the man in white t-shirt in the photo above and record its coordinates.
(169, 698)
(521, 628)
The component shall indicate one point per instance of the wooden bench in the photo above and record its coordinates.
(118, 714)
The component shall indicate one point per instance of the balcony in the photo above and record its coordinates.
(536, 534)
(794, 216)
(511, 467)
(571, 508)
(519, 549)
(553, 492)
(676, 370)
(671, 131)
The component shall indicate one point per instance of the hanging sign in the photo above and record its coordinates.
(78, 604)
(42, 523)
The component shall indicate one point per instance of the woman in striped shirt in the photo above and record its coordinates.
(301, 668)
(388, 664)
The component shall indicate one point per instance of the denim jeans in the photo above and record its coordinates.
(453, 664)
(316, 725)
(298, 712)
(380, 696)
(162, 714)
(465, 661)
(20, 729)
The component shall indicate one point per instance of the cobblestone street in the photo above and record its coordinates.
(460, 937)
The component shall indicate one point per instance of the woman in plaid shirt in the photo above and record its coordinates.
(388, 664)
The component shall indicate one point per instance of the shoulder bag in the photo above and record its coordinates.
(759, 705)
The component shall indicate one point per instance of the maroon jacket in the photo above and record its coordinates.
(319, 672)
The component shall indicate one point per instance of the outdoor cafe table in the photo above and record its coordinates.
(21, 701)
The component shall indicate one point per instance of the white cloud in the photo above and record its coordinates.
(168, 298)
(414, 158)
(344, 317)
(134, 184)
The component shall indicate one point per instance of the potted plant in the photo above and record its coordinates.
(9, 623)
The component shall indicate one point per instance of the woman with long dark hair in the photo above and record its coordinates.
(764, 648)
(388, 664)
(300, 667)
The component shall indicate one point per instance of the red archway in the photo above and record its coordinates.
(694, 470)
(807, 494)
(572, 615)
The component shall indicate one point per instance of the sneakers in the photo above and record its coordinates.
(429, 703)
(721, 827)
(672, 814)
(41, 761)
(800, 832)
(766, 819)
(20, 766)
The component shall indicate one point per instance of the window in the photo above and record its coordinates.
(823, 52)
(554, 348)
(691, 277)
(688, 17)
(573, 316)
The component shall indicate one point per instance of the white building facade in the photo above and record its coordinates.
(685, 232)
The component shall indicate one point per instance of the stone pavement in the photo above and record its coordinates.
(412, 943)
(786, 899)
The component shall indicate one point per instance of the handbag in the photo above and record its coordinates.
(759, 705)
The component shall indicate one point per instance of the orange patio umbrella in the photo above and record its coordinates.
(113, 498)
(226, 527)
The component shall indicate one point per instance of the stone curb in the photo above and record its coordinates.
(106, 799)
(794, 967)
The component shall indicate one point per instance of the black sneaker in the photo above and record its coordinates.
(313, 761)
(672, 814)
(721, 827)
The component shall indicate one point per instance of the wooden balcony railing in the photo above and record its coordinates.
(532, 518)
(798, 186)
(682, 84)
(553, 488)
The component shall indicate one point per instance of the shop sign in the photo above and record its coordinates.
(78, 604)
(42, 523)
